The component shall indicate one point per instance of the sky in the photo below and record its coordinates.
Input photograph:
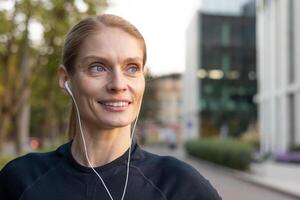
(163, 24)
(223, 6)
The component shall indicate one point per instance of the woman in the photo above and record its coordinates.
(103, 72)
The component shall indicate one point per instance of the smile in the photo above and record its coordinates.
(115, 104)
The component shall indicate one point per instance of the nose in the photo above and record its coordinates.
(117, 82)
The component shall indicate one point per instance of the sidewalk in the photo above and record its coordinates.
(281, 177)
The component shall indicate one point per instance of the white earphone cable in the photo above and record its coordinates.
(86, 153)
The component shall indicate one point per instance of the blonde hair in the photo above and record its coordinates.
(78, 35)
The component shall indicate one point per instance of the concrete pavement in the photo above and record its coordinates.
(283, 177)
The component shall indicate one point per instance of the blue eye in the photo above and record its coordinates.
(132, 69)
(97, 68)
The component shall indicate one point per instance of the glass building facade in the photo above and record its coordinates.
(227, 72)
(221, 68)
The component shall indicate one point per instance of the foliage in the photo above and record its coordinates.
(149, 108)
(41, 58)
(4, 160)
(252, 138)
(228, 152)
(295, 147)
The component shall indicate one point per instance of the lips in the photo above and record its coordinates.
(115, 105)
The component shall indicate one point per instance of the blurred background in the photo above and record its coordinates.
(222, 85)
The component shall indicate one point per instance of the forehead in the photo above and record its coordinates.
(112, 43)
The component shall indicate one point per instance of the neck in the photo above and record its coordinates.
(103, 146)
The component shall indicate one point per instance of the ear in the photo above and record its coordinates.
(62, 77)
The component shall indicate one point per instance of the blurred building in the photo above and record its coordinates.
(190, 93)
(221, 71)
(278, 25)
(168, 94)
(160, 113)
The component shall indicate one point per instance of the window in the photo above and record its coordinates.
(225, 34)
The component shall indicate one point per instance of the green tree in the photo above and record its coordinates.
(149, 108)
(28, 69)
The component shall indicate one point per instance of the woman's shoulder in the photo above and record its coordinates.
(170, 173)
(28, 167)
(35, 161)
(168, 164)
(22, 171)
(29, 161)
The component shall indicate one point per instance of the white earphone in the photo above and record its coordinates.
(66, 85)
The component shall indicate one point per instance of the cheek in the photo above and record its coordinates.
(140, 88)
(136, 88)
(88, 87)
(139, 84)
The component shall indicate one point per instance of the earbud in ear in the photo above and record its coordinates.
(66, 85)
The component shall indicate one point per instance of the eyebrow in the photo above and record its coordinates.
(130, 59)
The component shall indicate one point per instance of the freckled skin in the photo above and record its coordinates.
(109, 66)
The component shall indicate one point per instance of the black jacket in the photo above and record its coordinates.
(57, 176)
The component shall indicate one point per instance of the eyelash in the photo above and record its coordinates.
(95, 66)
(131, 66)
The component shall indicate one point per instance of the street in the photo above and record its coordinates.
(229, 187)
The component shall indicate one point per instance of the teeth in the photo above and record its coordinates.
(116, 104)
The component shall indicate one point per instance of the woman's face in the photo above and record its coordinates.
(109, 80)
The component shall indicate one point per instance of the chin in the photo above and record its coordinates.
(115, 124)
